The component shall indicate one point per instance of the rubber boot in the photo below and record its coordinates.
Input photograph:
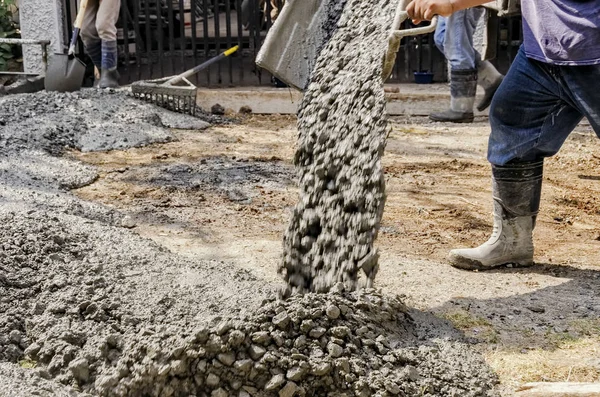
(516, 192)
(109, 76)
(94, 51)
(463, 87)
(490, 79)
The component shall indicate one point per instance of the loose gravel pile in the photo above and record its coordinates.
(342, 132)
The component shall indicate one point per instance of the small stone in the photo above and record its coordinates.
(335, 350)
(296, 374)
(321, 369)
(32, 350)
(212, 380)
(261, 337)
(15, 336)
(289, 390)
(226, 358)
(392, 388)
(178, 367)
(246, 109)
(411, 373)
(362, 331)
(128, 222)
(243, 365)
(306, 326)
(223, 327)
(281, 320)
(236, 338)
(275, 382)
(80, 370)
(300, 342)
(316, 333)
(217, 109)
(333, 312)
(220, 392)
(256, 352)
(201, 366)
(340, 332)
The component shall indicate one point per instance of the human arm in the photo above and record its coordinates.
(424, 10)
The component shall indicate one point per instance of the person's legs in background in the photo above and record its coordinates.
(90, 38)
(454, 38)
(106, 25)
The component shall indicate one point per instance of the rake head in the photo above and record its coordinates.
(181, 99)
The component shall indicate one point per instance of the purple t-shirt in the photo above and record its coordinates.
(562, 32)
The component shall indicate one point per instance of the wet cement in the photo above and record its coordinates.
(342, 132)
(88, 120)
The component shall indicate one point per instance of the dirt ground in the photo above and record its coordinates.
(226, 193)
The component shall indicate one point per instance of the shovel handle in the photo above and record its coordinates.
(401, 16)
(77, 26)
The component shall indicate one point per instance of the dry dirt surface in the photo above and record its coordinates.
(226, 194)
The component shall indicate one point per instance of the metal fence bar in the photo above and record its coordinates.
(217, 17)
(125, 32)
(229, 41)
(170, 20)
(159, 29)
(194, 17)
(182, 40)
(148, 43)
(205, 44)
(240, 33)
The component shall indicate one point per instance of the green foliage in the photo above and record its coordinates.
(8, 29)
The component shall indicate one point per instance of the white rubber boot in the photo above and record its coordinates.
(516, 191)
(490, 79)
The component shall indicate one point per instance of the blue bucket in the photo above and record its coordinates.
(423, 77)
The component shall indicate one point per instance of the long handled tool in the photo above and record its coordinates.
(65, 71)
(175, 93)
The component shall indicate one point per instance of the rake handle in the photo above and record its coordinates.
(191, 72)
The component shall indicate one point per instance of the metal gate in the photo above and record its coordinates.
(159, 38)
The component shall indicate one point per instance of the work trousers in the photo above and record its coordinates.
(537, 106)
(100, 21)
(454, 38)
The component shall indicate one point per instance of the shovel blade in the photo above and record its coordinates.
(65, 74)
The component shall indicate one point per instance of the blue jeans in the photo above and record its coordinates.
(537, 106)
(454, 38)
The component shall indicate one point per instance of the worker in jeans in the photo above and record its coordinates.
(553, 83)
(99, 35)
(454, 38)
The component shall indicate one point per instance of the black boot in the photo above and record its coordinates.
(463, 87)
(109, 77)
(516, 192)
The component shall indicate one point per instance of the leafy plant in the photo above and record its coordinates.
(8, 29)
